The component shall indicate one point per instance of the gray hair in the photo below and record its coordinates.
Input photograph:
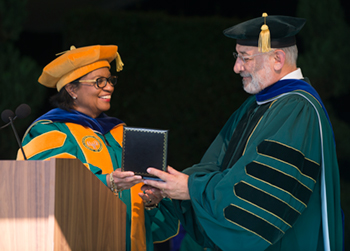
(291, 54)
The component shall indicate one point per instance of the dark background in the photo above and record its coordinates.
(178, 65)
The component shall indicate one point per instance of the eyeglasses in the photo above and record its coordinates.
(100, 82)
(245, 59)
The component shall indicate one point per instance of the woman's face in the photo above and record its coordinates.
(90, 100)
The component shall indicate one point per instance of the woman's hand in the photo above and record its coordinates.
(124, 180)
(151, 196)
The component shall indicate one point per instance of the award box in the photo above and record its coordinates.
(143, 148)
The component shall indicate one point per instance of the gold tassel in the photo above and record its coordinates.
(119, 62)
(71, 48)
(264, 43)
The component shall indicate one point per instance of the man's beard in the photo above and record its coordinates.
(258, 80)
(253, 86)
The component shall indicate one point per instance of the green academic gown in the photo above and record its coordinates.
(264, 190)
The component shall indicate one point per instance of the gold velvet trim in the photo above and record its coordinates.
(137, 230)
(117, 133)
(93, 148)
(62, 156)
(41, 143)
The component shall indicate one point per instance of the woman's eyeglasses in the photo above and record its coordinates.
(101, 82)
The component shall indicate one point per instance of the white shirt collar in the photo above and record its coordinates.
(294, 75)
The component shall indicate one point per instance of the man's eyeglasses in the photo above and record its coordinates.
(101, 82)
(245, 59)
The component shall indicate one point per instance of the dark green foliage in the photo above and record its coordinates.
(18, 75)
(326, 37)
(18, 78)
(178, 74)
(12, 15)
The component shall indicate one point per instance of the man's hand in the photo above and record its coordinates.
(174, 185)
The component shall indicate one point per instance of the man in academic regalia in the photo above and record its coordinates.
(270, 179)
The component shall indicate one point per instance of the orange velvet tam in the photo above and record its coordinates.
(78, 62)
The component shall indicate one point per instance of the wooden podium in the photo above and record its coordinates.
(57, 205)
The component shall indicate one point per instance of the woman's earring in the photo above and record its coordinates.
(74, 97)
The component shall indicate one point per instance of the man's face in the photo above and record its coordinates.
(255, 68)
